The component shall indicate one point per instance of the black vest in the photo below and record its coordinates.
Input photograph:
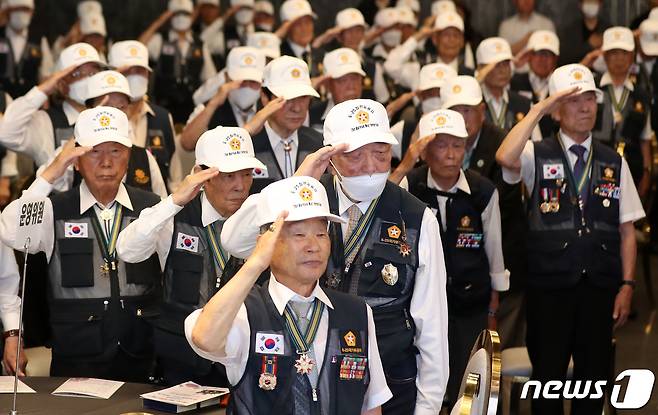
(390, 303)
(18, 77)
(309, 141)
(337, 396)
(467, 266)
(89, 317)
(560, 248)
(61, 128)
(517, 107)
(521, 83)
(160, 138)
(138, 174)
(370, 68)
(649, 82)
(629, 131)
(223, 116)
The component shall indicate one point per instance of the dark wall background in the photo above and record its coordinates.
(126, 19)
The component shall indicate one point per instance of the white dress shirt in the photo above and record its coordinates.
(401, 66)
(630, 206)
(429, 306)
(539, 85)
(618, 91)
(155, 48)
(492, 235)
(237, 348)
(10, 279)
(153, 230)
(27, 129)
(499, 103)
(276, 142)
(18, 42)
(41, 188)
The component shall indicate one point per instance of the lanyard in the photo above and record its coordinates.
(618, 105)
(499, 119)
(108, 246)
(359, 232)
(303, 342)
(579, 181)
(221, 257)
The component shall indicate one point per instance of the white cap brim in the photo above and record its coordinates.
(234, 165)
(292, 91)
(550, 48)
(108, 139)
(356, 143)
(648, 47)
(347, 70)
(297, 216)
(618, 45)
(245, 74)
(461, 101)
(431, 85)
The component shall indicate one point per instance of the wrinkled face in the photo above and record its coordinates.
(618, 61)
(208, 13)
(263, 19)
(227, 191)
(449, 42)
(499, 76)
(444, 156)
(114, 99)
(96, 40)
(542, 63)
(301, 31)
(81, 72)
(302, 250)
(474, 117)
(352, 37)
(366, 160)
(346, 87)
(578, 114)
(293, 113)
(104, 166)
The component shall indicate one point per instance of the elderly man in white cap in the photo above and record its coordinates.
(581, 238)
(389, 253)
(237, 31)
(387, 26)
(268, 43)
(94, 32)
(235, 98)
(625, 123)
(466, 206)
(184, 229)
(297, 32)
(182, 62)
(99, 306)
(24, 63)
(26, 128)
(291, 346)
(345, 76)
(264, 17)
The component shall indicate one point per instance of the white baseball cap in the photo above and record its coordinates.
(19, 3)
(106, 82)
(435, 75)
(180, 6)
(442, 122)
(301, 196)
(649, 37)
(294, 9)
(412, 4)
(387, 17)
(245, 63)
(129, 53)
(407, 16)
(93, 24)
(572, 75)
(264, 6)
(102, 124)
(243, 3)
(288, 77)
(449, 19)
(266, 42)
(357, 122)
(227, 148)
(210, 2)
(493, 50)
(442, 6)
(618, 37)
(89, 7)
(461, 90)
(342, 61)
(78, 54)
(653, 14)
(544, 40)
(350, 17)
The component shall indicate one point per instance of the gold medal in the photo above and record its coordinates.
(390, 274)
(304, 364)
(617, 117)
(267, 381)
(606, 203)
(555, 207)
(545, 207)
(333, 280)
(105, 270)
(405, 249)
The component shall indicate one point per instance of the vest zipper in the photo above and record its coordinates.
(315, 394)
(406, 319)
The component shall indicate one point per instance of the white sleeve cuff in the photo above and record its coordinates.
(500, 280)
(378, 398)
(36, 97)
(11, 319)
(511, 176)
(39, 188)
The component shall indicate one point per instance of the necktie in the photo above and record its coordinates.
(301, 387)
(579, 169)
(354, 214)
(288, 170)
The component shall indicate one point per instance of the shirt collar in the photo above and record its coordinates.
(454, 64)
(568, 142)
(462, 183)
(298, 50)
(345, 203)
(276, 139)
(87, 200)
(208, 213)
(281, 295)
(606, 79)
(11, 34)
(488, 97)
(70, 112)
(379, 52)
(146, 109)
(173, 36)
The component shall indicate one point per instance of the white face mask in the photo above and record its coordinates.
(78, 91)
(181, 22)
(244, 16)
(138, 86)
(590, 10)
(363, 188)
(392, 38)
(265, 27)
(20, 20)
(244, 97)
(430, 104)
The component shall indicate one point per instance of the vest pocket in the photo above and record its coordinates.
(143, 272)
(77, 262)
(186, 281)
(137, 338)
(549, 255)
(379, 279)
(77, 334)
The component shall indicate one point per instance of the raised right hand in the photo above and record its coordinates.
(50, 85)
(191, 186)
(64, 159)
(262, 255)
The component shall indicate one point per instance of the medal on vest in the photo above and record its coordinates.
(107, 244)
(304, 364)
(545, 206)
(554, 204)
(405, 248)
(333, 280)
(267, 379)
(617, 106)
(606, 203)
(390, 274)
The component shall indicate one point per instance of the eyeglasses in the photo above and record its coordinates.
(81, 73)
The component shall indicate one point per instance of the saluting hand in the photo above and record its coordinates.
(222, 93)
(551, 102)
(255, 125)
(64, 159)
(282, 31)
(262, 256)
(315, 164)
(191, 185)
(50, 85)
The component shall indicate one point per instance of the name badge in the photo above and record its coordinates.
(187, 242)
(553, 171)
(75, 230)
(269, 343)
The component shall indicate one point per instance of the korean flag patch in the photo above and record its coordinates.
(187, 242)
(259, 173)
(269, 343)
(553, 171)
(75, 230)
